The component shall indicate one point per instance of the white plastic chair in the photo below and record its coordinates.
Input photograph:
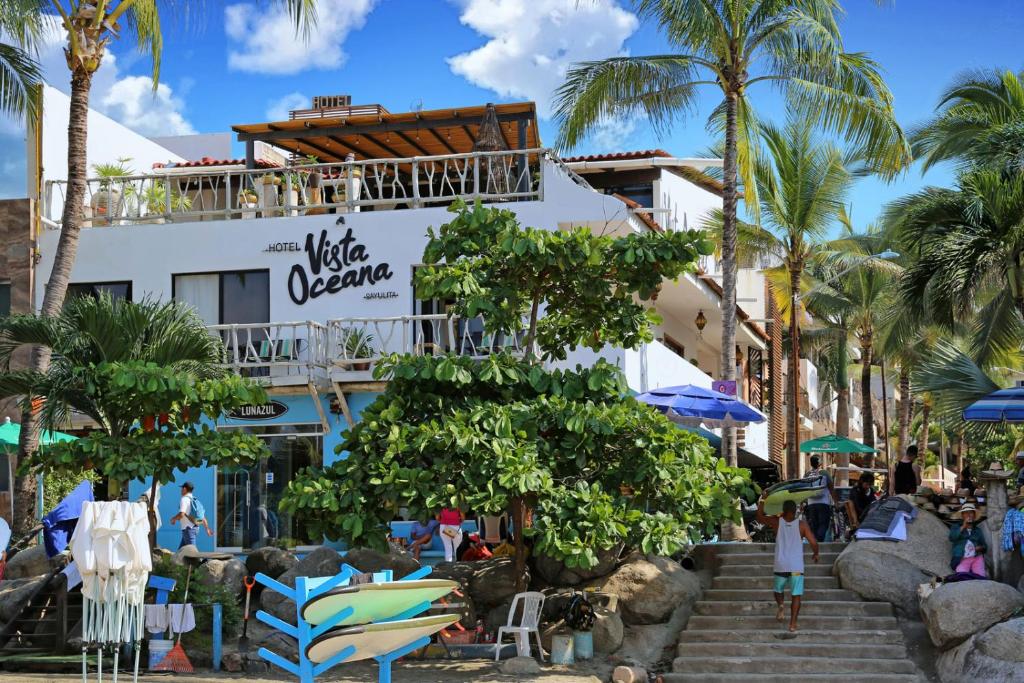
(533, 603)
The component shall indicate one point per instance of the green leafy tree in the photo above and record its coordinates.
(21, 25)
(733, 45)
(147, 375)
(592, 468)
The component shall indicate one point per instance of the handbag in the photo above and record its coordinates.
(449, 532)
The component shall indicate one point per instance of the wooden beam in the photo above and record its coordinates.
(390, 150)
(320, 151)
(469, 134)
(345, 410)
(311, 131)
(250, 154)
(315, 395)
(419, 150)
(345, 146)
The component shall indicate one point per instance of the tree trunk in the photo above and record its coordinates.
(793, 459)
(922, 439)
(906, 403)
(56, 286)
(519, 524)
(867, 414)
(842, 411)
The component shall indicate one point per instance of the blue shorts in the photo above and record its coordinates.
(794, 582)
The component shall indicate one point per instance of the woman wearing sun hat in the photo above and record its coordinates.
(968, 543)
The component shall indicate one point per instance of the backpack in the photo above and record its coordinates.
(196, 512)
(579, 613)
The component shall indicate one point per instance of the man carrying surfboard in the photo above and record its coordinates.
(788, 567)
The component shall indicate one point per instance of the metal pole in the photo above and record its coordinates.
(885, 421)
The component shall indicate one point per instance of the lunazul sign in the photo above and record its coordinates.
(262, 411)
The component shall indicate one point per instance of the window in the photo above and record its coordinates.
(674, 346)
(117, 290)
(5, 299)
(226, 298)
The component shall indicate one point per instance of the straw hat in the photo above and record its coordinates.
(969, 507)
(925, 491)
(963, 493)
(995, 470)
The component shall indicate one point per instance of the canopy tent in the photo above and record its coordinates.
(10, 432)
(59, 525)
(834, 444)
(1004, 405)
(692, 406)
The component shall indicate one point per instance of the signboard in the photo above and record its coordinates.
(723, 386)
(259, 413)
(330, 265)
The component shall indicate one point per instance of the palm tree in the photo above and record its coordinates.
(21, 24)
(732, 45)
(801, 184)
(90, 26)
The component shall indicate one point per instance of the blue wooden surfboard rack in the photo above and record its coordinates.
(308, 588)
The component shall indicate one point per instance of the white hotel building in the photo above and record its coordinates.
(306, 273)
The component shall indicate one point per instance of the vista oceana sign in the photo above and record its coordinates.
(262, 411)
(332, 266)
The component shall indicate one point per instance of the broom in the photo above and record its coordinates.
(176, 659)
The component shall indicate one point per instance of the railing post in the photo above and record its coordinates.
(168, 200)
(227, 195)
(476, 176)
(415, 183)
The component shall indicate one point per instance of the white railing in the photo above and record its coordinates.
(188, 195)
(270, 351)
(356, 343)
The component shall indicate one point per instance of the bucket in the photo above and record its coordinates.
(561, 649)
(583, 644)
(158, 649)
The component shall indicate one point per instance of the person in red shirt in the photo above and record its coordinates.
(477, 550)
(451, 531)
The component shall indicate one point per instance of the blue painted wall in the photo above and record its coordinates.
(301, 409)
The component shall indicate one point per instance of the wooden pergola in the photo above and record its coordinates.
(386, 135)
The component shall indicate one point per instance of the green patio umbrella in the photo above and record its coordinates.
(11, 431)
(834, 444)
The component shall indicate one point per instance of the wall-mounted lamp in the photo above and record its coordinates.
(701, 322)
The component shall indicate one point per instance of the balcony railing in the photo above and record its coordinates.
(357, 343)
(275, 353)
(188, 195)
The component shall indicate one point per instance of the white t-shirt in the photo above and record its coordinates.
(969, 549)
(186, 510)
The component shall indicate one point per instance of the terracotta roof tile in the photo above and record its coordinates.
(210, 161)
(620, 156)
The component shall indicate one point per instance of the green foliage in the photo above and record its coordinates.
(451, 431)
(201, 595)
(999, 446)
(58, 484)
(492, 266)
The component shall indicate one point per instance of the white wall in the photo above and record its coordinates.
(195, 147)
(688, 203)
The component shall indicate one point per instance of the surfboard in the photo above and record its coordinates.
(797, 490)
(374, 640)
(375, 601)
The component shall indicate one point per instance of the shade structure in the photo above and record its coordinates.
(691, 405)
(834, 444)
(1005, 405)
(10, 432)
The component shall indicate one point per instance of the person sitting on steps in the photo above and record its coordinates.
(861, 497)
(788, 567)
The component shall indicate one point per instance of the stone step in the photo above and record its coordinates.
(866, 638)
(792, 648)
(766, 582)
(787, 678)
(810, 569)
(740, 608)
(743, 548)
(792, 665)
(759, 559)
(810, 621)
(810, 594)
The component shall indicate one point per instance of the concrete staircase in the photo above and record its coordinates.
(733, 637)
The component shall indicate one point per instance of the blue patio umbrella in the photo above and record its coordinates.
(1005, 405)
(692, 405)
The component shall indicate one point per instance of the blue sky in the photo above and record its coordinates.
(243, 65)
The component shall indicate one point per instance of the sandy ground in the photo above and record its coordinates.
(412, 672)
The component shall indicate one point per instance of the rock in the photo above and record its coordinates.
(629, 674)
(229, 573)
(270, 561)
(877, 576)
(369, 561)
(179, 556)
(27, 563)
(456, 571)
(461, 573)
(497, 616)
(519, 666)
(232, 662)
(993, 655)
(14, 593)
(608, 630)
(956, 611)
(494, 581)
(323, 561)
(557, 574)
(650, 588)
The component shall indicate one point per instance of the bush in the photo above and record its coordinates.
(57, 485)
(201, 596)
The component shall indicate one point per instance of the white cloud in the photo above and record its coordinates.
(265, 40)
(133, 102)
(613, 134)
(532, 43)
(277, 110)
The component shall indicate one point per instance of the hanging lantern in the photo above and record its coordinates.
(700, 321)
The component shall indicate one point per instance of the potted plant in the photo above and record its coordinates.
(291, 183)
(269, 183)
(314, 193)
(106, 203)
(357, 345)
(155, 199)
(248, 199)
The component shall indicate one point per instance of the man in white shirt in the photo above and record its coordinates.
(189, 526)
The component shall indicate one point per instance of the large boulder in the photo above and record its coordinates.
(14, 593)
(323, 561)
(650, 588)
(461, 573)
(368, 561)
(27, 563)
(270, 561)
(883, 570)
(955, 611)
(228, 573)
(608, 630)
(876, 576)
(557, 574)
(993, 655)
(494, 581)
